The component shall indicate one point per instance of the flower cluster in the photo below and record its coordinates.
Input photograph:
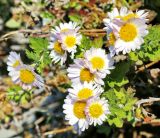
(84, 105)
(22, 74)
(125, 30)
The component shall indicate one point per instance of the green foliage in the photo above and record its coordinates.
(87, 43)
(117, 76)
(150, 50)
(18, 95)
(120, 104)
(75, 18)
(40, 54)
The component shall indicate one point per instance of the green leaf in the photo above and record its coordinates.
(118, 122)
(18, 95)
(39, 53)
(11, 23)
(117, 76)
(38, 44)
(150, 50)
(120, 105)
(75, 18)
(98, 42)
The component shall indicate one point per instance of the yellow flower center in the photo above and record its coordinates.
(78, 109)
(57, 47)
(112, 39)
(70, 41)
(128, 32)
(96, 110)
(26, 76)
(129, 16)
(85, 93)
(16, 64)
(97, 62)
(86, 75)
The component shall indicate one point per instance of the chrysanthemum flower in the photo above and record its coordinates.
(25, 76)
(57, 53)
(70, 40)
(124, 14)
(79, 73)
(64, 27)
(75, 113)
(13, 62)
(99, 61)
(129, 35)
(96, 111)
(84, 91)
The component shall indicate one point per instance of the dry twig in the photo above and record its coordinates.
(58, 131)
(150, 100)
(146, 66)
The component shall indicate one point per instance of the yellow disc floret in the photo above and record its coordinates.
(57, 47)
(78, 109)
(97, 62)
(70, 41)
(26, 76)
(86, 75)
(128, 32)
(85, 93)
(16, 64)
(95, 110)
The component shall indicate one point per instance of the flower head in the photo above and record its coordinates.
(84, 91)
(99, 61)
(70, 40)
(75, 113)
(123, 15)
(57, 53)
(96, 110)
(64, 27)
(129, 36)
(79, 73)
(25, 76)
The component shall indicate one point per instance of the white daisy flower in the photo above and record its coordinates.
(75, 113)
(57, 53)
(79, 73)
(26, 77)
(96, 111)
(84, 91)
(129, 35)
(14, 60)
(123, 14)
(70, 40)
(64, 27)
(98, 60)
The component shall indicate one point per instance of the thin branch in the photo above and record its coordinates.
(40, 33)
(58, 131)
(93, 31)
(150, 100)
(146, 66)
